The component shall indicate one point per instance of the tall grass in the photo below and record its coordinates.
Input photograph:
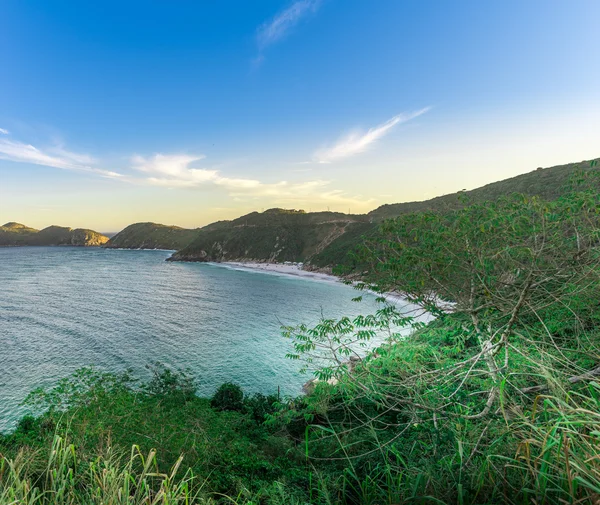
(561, 454)
(555, 458)
(108, 479)
(65, 478)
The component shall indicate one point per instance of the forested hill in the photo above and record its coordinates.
(544, 182)
(275, 235)
(16, 234)
(321, 238)
(325, 238)
(152, 236)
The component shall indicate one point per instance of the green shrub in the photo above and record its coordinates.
(229, 396)
(259, 406)
(168, 382)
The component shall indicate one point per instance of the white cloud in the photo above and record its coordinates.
(175, 171)
(56, 157)
(4, 131)
(107, 173)
(283, 22)
(178, 171)
(358, 142)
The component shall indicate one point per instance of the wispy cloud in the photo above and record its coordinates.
(173, 169)
(358, 142)
(55, 156)
(277, 28)
(4, 131)
(183, 171)
(176, 171)
(26, 153)
(284, 21)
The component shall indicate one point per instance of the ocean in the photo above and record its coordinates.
(63, 308)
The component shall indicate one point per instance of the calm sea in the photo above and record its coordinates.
(64, 308)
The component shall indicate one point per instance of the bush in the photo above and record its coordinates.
(167, 382)
(259, 406)
(27, 424)
(229, 396)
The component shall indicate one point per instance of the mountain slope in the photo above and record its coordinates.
(275, 235)
(544, 182)
(324, 239)
(16, 234)
(152, 236)
(548, 183)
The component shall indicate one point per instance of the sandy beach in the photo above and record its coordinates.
(297, 271)
(279, 268)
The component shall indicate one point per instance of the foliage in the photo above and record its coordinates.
(152, 236)
(451, 411)
(259, 407)
(275, 235)
(482, 390)
(226, 452)
(229, 396)
(84, 387)
(337, 252)
(170, 383)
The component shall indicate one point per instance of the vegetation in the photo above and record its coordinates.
(496, 400)
(276, 235)
(229, 396)
(16, 234)
(128, 442)
(337, 253)
(322, 240)
(326, 239)
(152, 236)
(547, 183)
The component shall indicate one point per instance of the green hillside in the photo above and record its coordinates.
(275, 235)
(545, 182)
(324, 239)
(16, 234)
(152, 236)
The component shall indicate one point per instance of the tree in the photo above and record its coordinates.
(494, 275)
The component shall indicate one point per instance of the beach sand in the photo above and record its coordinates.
(279, 268)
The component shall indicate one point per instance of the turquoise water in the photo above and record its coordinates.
(64, 308)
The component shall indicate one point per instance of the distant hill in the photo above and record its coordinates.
(275, 235)
(544, 182)
(16, 234)
(152, 236)
(324, 239)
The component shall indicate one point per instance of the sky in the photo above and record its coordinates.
(190, 112)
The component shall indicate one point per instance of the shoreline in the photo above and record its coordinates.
(297, 271)
(277, 268)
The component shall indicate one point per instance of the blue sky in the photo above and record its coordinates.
(187, 112)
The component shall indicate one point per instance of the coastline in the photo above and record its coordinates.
(277, 268)
(297, 271)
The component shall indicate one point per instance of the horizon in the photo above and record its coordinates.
(111, 233)
(199, 113)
